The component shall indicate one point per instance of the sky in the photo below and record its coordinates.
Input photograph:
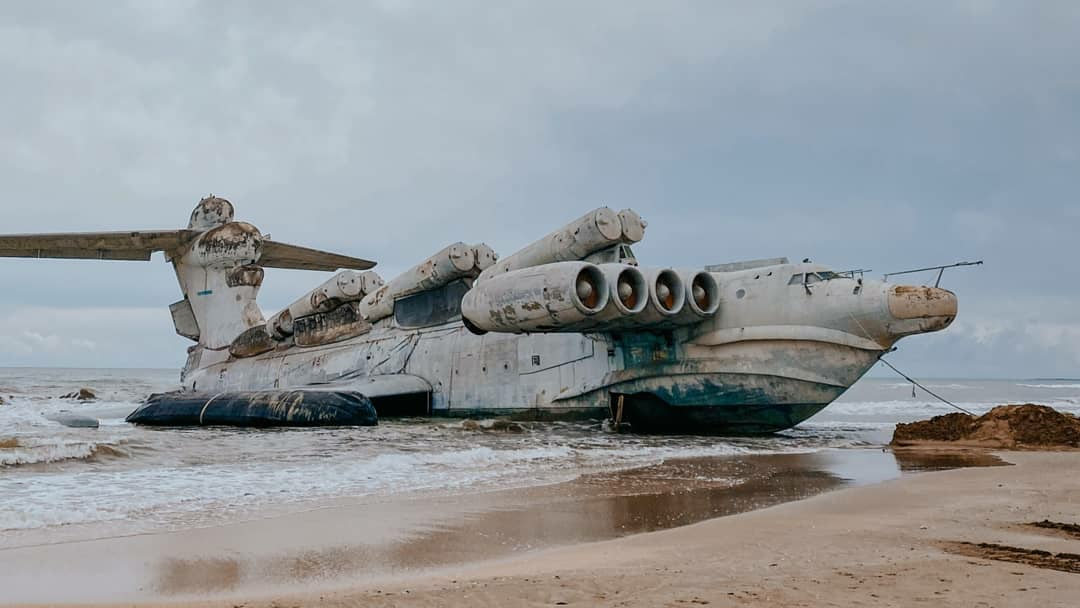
(884, 136)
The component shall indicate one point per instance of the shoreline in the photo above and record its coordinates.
(908, 541)
(328, 553)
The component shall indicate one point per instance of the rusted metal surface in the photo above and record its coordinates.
(339, 324)
(228, 244)
(596, 230)
(451, 263)
(254, 341)
(345, 286)
(276, 254)
(281, 324)
(247, 275)
(128, 245)
(211, 212)
(545, 298)
(633, 227)
(908, 302)
(484, 257)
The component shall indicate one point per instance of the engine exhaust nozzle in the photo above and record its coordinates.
(702, 297)
(590, 289)
(666, 292)
(666, 299)
(547, 298)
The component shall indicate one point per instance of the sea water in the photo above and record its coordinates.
(57, 482)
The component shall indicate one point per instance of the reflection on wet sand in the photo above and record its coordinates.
(594, 507)
(917, 460)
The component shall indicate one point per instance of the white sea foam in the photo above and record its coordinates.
(1049, 386)
(150, 479)
(899, 409)
(79, 497)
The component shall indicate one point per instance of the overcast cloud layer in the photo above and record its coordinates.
(862, 135)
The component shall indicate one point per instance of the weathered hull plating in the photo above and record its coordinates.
(667, 385)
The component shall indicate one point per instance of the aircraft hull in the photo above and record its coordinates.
(668, 383)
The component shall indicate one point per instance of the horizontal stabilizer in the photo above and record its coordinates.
(282, 255)
(140, 244)
(129, 245)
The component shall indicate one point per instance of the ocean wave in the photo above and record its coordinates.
(948, 386)
(18, 452)
(1048, 385)
(912, 407)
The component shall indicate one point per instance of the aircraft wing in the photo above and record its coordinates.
(130, 245)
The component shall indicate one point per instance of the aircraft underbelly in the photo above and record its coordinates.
(541, 375)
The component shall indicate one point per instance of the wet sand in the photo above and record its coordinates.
(384, 545)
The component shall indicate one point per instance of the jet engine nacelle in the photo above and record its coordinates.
(654, 299)
(550, 297)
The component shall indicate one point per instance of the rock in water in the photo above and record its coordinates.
(1005, 426)
(499, 424)
(74, 420)
(83, 394)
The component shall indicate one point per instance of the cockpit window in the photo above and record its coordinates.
(795, 279)
(812, 277)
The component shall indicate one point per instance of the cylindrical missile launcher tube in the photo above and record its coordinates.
(453, 262)
(546, 298)
(596, 230)
(633, 227)
(485, 257)
(345, 286)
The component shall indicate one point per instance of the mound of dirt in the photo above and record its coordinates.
(1005, 426)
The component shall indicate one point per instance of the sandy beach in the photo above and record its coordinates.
(955, 537)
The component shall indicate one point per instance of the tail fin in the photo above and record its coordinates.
(219, 265)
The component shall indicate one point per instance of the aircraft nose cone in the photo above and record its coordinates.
(911, 302)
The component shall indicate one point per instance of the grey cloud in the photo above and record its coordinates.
(881, 136)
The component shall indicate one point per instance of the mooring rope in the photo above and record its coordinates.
(916, 383)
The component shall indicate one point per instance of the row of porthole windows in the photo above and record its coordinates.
(741, 293)
(797, 279)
